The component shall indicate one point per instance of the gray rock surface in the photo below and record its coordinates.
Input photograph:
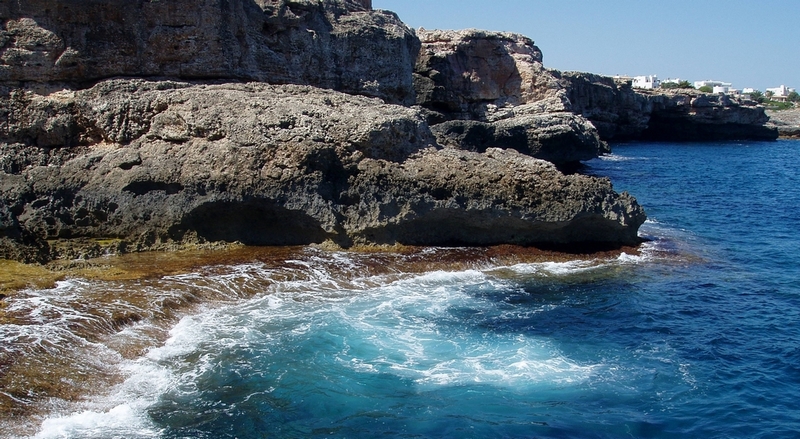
(560, 138)
(463, 72)
(488, 89)
(336, 44)
(614, 108)
(787, 122)
(153, 163)
(501, 196)
(622, 113)
(134, 126)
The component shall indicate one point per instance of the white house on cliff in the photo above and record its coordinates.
(781, 92)
(648, 82)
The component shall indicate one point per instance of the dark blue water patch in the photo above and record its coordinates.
(736, 319)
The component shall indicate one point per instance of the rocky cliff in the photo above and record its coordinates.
(622, 113)
(336, 44)
(490, 88)
(487, 89)
(161, 162)
(787, 122)
(470, 73)
(277, 122)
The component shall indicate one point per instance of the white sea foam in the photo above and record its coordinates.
(123, 413)
(122, 421)
(440, 278)
(522, 363)
(625, 258)
(415, 326)
(617, 158)
(522, 373)
(406, 327)
(555, 268)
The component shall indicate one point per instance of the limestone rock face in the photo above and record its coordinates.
(151, 123)
(490, 89)
(160, 162)
(560, 138)
(501, 196)
(463, 72)
(622, 113)
(787, 122)
(336, 44)
(613, 108)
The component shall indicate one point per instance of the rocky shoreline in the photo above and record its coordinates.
(270, 122)
(787, 122)
(176, 162)
(622, 113)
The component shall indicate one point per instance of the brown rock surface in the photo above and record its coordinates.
(462, 72)
(490, 89)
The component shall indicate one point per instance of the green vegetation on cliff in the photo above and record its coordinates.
(676, 85)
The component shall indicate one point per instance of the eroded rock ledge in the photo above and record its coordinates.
(487, 89)
(278, 122)
(160, 162)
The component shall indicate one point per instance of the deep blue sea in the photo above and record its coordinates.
(697, 336)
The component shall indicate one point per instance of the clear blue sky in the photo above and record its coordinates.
(753, 43)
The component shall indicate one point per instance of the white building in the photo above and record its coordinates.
(671, 81)
(748, 90)
(649, 82)
(712, 84)
(780, 92)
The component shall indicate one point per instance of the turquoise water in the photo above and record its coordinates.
(697, 336)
